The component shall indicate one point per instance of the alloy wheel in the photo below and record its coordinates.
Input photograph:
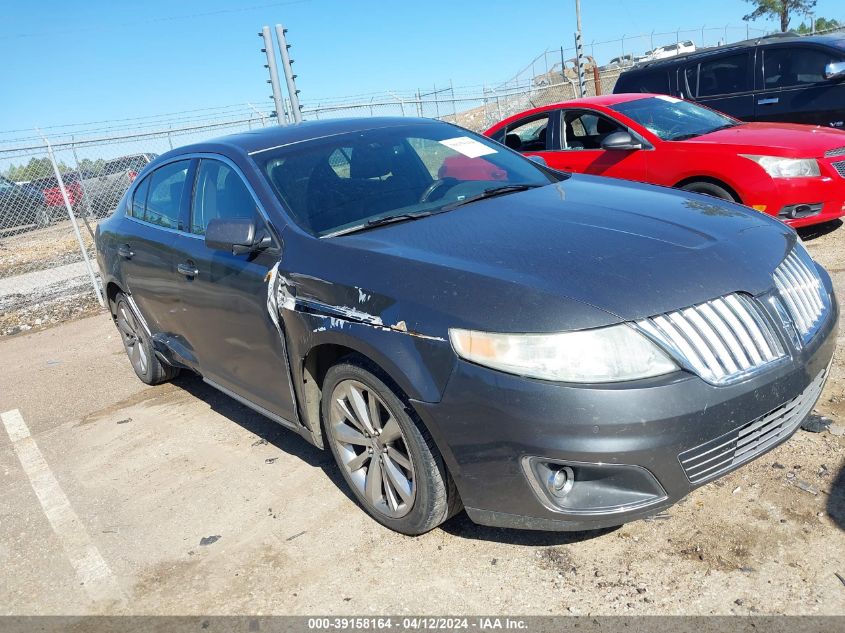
(371, 446)
(129, 332)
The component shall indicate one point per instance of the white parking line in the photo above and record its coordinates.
(91, 569)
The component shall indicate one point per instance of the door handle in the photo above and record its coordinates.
(768, 101)
(124, 251)
(188, 269)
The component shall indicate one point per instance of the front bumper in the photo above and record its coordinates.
(488, 423)
(827, 190)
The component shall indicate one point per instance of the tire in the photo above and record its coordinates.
(710, 189)
(430, 496)
(138, 346)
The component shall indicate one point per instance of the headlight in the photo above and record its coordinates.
(608, 354)
(778, 167)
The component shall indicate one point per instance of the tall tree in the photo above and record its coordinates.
(782, 10)
(822, 24)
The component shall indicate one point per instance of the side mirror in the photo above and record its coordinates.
(620, 141)
(538, 159)
(237, 235)
(834, 70)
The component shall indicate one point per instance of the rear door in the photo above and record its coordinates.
(793, 87)
(145, 249)
(224, 320)
(723, 82)
(578, 147)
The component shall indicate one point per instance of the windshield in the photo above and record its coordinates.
(673, 119)
(357, 180)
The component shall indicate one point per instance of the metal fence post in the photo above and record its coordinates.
(454, 106)
(436, 103)
(290, 78)
(85, 199)
(419, 104)
(274, 73)
(72, 217)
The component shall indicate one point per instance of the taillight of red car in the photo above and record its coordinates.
(53, 195)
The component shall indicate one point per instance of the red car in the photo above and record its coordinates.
(793, 172)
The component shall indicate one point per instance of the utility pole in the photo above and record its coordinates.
(293, 93)
(274, 73)
(579, 52)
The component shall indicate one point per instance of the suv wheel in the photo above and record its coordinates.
(390, 462)
(139, 347)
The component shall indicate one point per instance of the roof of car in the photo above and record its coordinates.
(277, 136)
(836, 39)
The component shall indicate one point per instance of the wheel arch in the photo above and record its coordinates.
(711, 180)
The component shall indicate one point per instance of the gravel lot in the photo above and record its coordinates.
(196, 505)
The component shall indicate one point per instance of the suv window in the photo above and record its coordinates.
(783, 67)
(723, 75)
(656, 81)
(219, 193)
(528, 135)
(164, 199)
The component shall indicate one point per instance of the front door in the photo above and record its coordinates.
(794, 87)
(578, 147)
(224, 317)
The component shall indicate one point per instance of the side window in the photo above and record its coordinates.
(656, 81)
(164, 199)
(528, 135)
(219, 193)
(139, 199)
(784, 67)
(585, 130)
(691, 75)
(725, 75)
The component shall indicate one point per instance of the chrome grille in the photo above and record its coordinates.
(839, 151)
(839, 166)
(801, 290)
(743, 444)
(722, 340)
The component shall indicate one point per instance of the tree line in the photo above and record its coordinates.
(42, 168)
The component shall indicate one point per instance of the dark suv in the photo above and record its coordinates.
(778, 78)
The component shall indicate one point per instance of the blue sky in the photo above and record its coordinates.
(103, 60)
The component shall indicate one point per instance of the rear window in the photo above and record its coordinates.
(656, 81)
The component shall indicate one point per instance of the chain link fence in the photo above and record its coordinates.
(53, 192)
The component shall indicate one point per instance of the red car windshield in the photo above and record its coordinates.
(673, 119)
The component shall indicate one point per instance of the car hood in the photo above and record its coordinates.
(581, 253)
(783, 139)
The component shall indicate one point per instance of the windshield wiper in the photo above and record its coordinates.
(491, 192)
(389, 219)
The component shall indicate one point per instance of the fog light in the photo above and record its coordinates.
(794, 211)
(591, 488)
(560, 480)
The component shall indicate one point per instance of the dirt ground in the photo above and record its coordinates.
(177, 500)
